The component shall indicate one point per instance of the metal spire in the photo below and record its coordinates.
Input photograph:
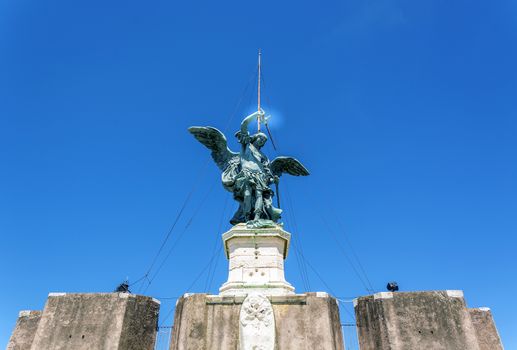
(258, 90)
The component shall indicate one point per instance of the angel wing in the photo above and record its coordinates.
(288, 165)
(214, 140)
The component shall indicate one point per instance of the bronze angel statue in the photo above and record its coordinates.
(248, 174)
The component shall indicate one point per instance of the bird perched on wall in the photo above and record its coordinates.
(392, 286)
(123, 287)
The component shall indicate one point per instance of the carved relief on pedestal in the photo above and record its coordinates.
(257, 323)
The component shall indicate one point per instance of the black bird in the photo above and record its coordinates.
(392, 286)
(123, 287)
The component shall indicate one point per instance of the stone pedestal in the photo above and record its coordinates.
(256, 261)
(96, 321)
(422, 320)
(256, 307)
(301, 322)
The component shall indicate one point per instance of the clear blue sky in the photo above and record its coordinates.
(403, 111)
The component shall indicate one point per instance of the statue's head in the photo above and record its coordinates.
(259, 139)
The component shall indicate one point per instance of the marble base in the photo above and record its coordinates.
(256, 258)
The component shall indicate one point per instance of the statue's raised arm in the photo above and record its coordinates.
(246, 121)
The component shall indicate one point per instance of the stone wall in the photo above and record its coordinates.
(486, 331)
(438, 320)
(108, 321)
(23, 334)
(302, 322)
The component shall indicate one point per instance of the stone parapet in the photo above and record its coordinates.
(94, 321)
(418, 320)
(23, 334)
(302, 322)
(486, 331)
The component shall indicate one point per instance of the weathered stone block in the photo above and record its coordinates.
(486, 331)
(110, 321)
(436, 320)
(23, 334)
(256, 260)
(302, 322)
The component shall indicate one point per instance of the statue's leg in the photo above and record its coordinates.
(259, 205)
(246, 204)
(274, 213)
(237, 217)
(271, 211)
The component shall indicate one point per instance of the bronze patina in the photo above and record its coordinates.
(248, 174)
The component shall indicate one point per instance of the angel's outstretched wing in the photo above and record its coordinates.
(288, 165)
(214, 140)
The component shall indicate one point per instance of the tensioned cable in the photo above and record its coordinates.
(189, 222)
(211, 275)
(162, 338)
(321, 278)
(318, 275)
(290, 218)
(146, 276)
(225, 129)
(291, 223)
(297, 238)
(298, 246)
(298, 259)
(353, 340)
(170, 231)
(204, 199)
(241, 98)
(193, 283)
(340, 224)
(232, 115)
(138, 280)
(365, 281)
(301, 266)
(168, 235)
(345, 255)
